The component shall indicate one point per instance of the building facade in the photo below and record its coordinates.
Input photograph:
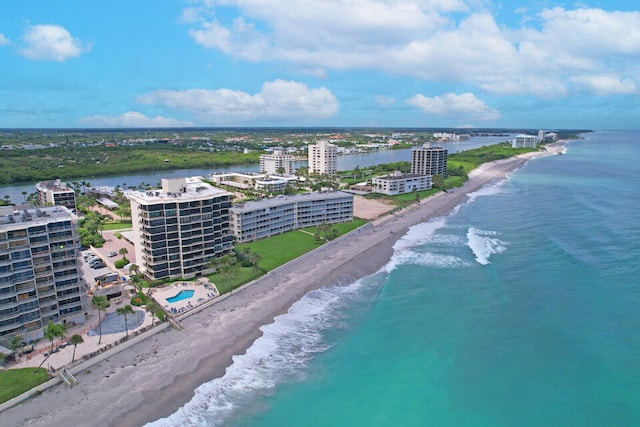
(259, 219)
(277, 163)
(401, 184)
(428, 160)
(56, 193)
(40, 275)
(323, 158)
(178, 230)
(525, 141)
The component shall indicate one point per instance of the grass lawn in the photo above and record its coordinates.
(116, 225)
(278, 250)
(14, 382)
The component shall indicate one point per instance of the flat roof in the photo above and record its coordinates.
(399, 177)
(35, 215)
(283, 200)
(194, 189)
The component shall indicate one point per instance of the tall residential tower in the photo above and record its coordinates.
(428, 160)
(40, 278)
(323, 158)
(178, 229)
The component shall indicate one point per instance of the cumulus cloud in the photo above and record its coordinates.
(278, 100)
(606, 85)
(465, 106)
(437, 40)
(51, 43)
(132, 119)
(3, 40)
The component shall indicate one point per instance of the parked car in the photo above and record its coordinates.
(112, 254)
(95, 261)
(98, 265)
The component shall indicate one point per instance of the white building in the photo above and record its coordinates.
(263, 218)
(525, 141)
(56, 193)
(427, 160)
(277, 163)
(401, 184)
(180, 228)
(323, 158)
(40, 277)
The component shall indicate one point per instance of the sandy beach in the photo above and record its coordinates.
(155, 377)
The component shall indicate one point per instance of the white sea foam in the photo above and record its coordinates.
(483, 245)
(279, 355)
(487, 190)
(429, 259)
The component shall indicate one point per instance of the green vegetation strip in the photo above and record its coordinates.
(274, 252)
(14, 382)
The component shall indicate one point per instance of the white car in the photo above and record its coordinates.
(112, 254)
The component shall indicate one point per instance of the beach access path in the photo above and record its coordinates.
(155, 377)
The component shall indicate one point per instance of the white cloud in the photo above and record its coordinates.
(606, 85)
(385, 100)
(278, 100)
(4, 40)
(51, 43)
(436, 40)
(465, 106)
(133, 119)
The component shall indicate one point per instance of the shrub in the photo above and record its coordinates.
(136, 301)
(121, 262)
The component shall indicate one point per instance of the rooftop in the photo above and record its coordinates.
(42, 215)
(282, 200)
(178, 189)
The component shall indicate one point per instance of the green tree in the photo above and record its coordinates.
(53, 331)
(16, 343)
(153, 308)
(75, 340)
(24, 196)
(437, 182)
(123, 252)
(124, 311)
(101, 304)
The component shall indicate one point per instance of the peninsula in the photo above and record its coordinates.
(153, 378)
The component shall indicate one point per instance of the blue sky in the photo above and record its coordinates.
(388, 63)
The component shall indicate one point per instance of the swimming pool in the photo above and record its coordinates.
(184, 294)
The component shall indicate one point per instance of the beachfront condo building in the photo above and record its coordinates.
(525, 141)
(277, 163)
(323, 158)
(40, 276)
(427, 160)
(56, 193)
(263, 218)
(179, 228)
(401, 184)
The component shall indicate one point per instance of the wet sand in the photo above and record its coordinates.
(155, 377)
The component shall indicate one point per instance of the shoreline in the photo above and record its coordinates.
(154, 378)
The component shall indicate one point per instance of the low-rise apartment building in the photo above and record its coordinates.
(263, 218)
(401, 184)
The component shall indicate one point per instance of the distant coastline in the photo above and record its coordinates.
(230, 326)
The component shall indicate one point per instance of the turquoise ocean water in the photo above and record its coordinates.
(520, 308)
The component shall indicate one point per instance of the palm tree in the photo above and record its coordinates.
(101, 304)
(153, 308)
(16, 342)
(123, 252)
(24, 196)
(53, 331)
(123, 311)
(75, 340)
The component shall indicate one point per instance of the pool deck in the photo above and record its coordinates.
(203, 292)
